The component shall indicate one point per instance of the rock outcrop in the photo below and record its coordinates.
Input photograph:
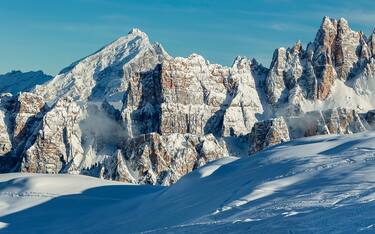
(5, 143)
(56, 145)
(267, 133)
(332, 121)
(156, 159)
(202, 98)
(307, 124)
(370, 118)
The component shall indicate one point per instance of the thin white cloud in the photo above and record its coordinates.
(290, 27)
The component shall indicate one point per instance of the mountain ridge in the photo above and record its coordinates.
(131, 112)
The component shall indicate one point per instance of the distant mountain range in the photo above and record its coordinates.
(16, 81)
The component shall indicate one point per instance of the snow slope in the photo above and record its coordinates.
(311, 185)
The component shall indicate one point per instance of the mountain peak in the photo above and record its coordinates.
(342, 21)
(241, 61)
(297, 46)
(327, 20)
(343, 25)
(137, 32)
(328, 24)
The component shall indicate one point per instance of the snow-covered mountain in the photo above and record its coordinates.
(321, 184)
(16, 81)
(131, 112)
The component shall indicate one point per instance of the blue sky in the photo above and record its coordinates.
(49, 35)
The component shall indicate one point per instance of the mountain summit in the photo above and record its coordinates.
(101, 75)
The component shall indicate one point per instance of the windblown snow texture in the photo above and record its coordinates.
(321, 184)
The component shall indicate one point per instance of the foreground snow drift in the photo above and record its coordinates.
(311, 185)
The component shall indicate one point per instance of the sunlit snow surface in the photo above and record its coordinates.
(312, 185)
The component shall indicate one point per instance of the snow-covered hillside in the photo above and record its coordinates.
(322, 184)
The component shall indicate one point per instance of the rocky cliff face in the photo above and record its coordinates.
(332, 121)
(55, 147)
(202, 98)
(337, 57)
(133, 113)
(267, 133)
(158, 159)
